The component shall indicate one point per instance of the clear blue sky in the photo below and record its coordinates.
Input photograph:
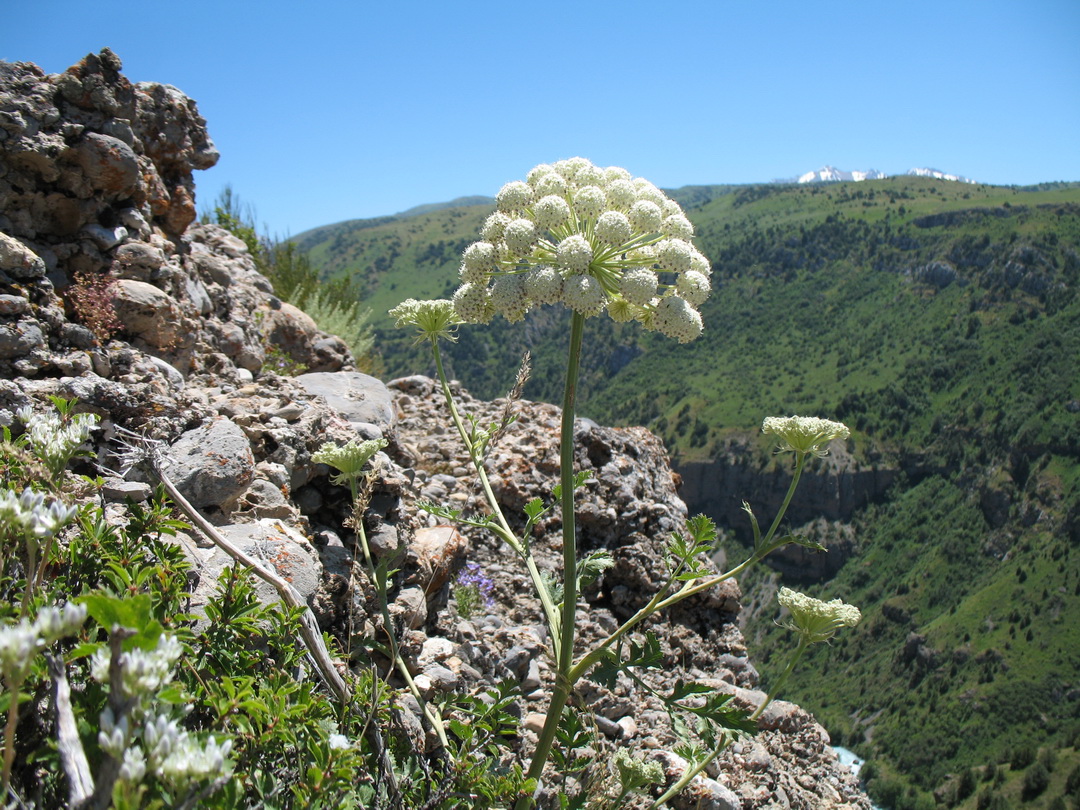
(326, 111)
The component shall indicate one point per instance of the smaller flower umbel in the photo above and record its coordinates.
(432, 319)
(348, 459)
(814, 620)
(804, 434)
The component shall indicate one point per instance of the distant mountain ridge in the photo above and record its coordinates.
(831, 174)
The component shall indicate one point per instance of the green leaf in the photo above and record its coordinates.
(805, 542)
(592, 566)
(534, 509)
(753, 523)
(132, 612)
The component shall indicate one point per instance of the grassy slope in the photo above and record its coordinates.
(821, 309)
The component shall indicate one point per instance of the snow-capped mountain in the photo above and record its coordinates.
(831, 174)
(939, 175)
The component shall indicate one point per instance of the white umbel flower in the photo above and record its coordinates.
(620, 195)
(574, 253)
(694, 287)
(700, 264)
(494, 226)
(804, 434)
(646, 216)
(675, 318)
(513, 197)
(544, 285)
(613, 228)
(674, 254)
(570, 167)
(520, 237)
(537, 172)
(677, 226)
(584, 294)
(551, 211)
(644, 190)
(815, 620)
(508, 297)
(590, 176)
(472, 302)
(589, 202)
(638, 285)
(481, 257)
(613, 173)
(551, 184)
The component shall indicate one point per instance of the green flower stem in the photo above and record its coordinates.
(800, 462)
(504, 531)
(565, 651)
(690, 773)
(395, 651)
(804, 644)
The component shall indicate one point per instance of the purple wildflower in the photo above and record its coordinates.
(471, 589)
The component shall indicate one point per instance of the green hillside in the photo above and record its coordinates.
(940, 321)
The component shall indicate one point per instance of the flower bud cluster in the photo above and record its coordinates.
(813, 619)
(349, 459)
(19, 643)
(593, 239)
(28, 516)
(432, 319)
(804, 434)
(140, 738)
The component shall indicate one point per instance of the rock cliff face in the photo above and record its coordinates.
(96, 194)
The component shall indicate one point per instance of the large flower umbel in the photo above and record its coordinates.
(592, 239)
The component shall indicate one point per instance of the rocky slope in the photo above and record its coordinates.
(110, 293)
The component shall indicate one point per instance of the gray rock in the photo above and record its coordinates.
(212, 464)
(116, 489)
(357, 397)
(19, 339)
(106, 238)
(148, 312)
(109, 164)
(276, 546)
(18, 261)
(13, 305)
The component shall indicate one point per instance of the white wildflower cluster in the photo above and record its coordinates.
(20, 643)
(143, 740)
(29, 516)
(593, 239)
(804, 434)
(432, 319)
(349, 458)
(160, 746)
(54, 438)
(143, 672)
(816, 620)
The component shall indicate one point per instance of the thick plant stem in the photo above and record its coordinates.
(564, 655)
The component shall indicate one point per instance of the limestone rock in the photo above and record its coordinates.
(356, 397)
(211, 465)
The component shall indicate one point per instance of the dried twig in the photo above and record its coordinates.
(140, 449)
(72, 755)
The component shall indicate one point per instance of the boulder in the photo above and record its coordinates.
(212, 464)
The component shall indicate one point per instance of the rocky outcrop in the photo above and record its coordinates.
(97, 198)
(97, 237)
